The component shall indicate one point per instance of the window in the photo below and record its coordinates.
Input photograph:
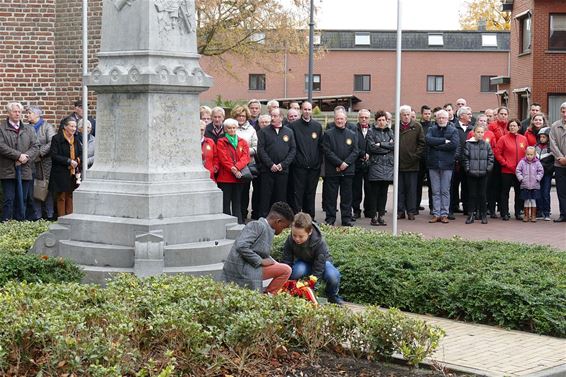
(486, 85)
(256, 81)
(525, 33)
(316, 40)
(489, 40)
(258, 37)
(362, 83)
(554, 102)
(315, 83)
(557, 32)
(435, 40)
(434, 83)
(362, 39)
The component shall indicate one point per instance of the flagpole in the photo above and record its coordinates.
(85, 89)
(397, 122)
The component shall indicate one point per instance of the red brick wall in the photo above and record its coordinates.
(461, 70)
(41, 52)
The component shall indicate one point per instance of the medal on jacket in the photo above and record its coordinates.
(208, 147)
(314, 135)
(285, 138)
(349, 141)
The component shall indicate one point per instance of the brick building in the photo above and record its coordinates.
(537, 57)
(438, 67)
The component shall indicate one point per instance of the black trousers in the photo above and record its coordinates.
(477, 187)
(231, 199)
(273, 189)
(342, 183)
(304, 186)
(360, 188)
(407, 191)
(508, 181)
(560, 178)
(256, 194)
(377, 198)
(245, 199)
(494, 187)
(459, 178)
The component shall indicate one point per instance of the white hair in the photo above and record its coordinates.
(463, 109)
(230, 122)
(264, 116)
(272, 103)
(405, 109)
(10, 106)
(441, 112)
(563, 106)
(218, 109)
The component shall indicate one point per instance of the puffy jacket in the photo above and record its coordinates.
(314, 251)
(228, 157)
(381, 156)
(545, 157)
(440, 154)
(488, 137)
(478, 158)
(12, 145)
(529, 173)
(509, 151)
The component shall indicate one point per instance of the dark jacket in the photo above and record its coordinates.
(339, 145)
(440, 154)
(12, 144)
(361, 165)
(209, 132)
(462, 137)
(308, 136)
(411, 147)
(276, 148)
(381, 156)
(545, 157)
(478, 158)
(313, 251)
(61, 179)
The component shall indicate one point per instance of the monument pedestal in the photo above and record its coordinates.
(147, 205)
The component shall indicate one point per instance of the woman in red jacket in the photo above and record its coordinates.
(538, 122)
(209, 155)
(233, 155)
(509, 151)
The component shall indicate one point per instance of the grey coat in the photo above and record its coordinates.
(12, 145)
(43, 161)
(243, 264)
(380, 156)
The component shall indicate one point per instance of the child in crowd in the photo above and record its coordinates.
(307, 253)
(546, 158)
(249, 261)
(529, 173)
(478, 163)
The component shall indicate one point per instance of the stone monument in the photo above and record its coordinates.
(147, 206)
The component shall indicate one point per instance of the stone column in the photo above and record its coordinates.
(147, 206)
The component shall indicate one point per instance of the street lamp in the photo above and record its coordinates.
(311, 51)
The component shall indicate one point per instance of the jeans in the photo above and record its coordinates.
(543, 204)
(440, 181)
(331, 275)
(10, 208)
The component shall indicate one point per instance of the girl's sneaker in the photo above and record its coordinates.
(547, 218)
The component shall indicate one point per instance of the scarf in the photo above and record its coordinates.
(233, 140)
(405, 127)
(38, 125)
(71, 142)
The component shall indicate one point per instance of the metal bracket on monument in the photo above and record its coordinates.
(148, 254)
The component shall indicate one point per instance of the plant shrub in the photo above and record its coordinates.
(17, 237)
(512, 285)
(184, 326)
(36, 269)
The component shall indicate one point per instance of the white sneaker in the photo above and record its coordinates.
(546, 218)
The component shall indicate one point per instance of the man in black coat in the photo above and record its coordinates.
(276, 151)
(306, 166)
(426, 122)
(340, 151)
(360, 186)
(215, 129)
(463, 126)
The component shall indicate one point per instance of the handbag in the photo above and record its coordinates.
(41, 186)
(249, 172)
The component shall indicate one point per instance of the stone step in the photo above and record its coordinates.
(197, 253)
(97, 254)
(233, 230)
(213, 270)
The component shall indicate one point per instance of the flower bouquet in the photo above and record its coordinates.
(303, 288)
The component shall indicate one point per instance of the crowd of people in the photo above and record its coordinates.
(470, 164)
(40, 163)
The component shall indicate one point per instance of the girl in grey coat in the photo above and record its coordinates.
(249, 261)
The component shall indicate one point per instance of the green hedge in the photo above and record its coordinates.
(184, 326)
(498, 283)
(17, 237)
(36, 269)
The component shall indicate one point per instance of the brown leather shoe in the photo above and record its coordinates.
(411, 216)
(444, 220)
(401, 215)
(435, 219)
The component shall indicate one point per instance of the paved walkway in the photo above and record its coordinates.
(491, 351)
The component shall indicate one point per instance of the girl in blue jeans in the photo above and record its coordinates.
(307, 253)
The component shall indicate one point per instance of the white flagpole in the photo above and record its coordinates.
(397, 121)
(85, 89)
